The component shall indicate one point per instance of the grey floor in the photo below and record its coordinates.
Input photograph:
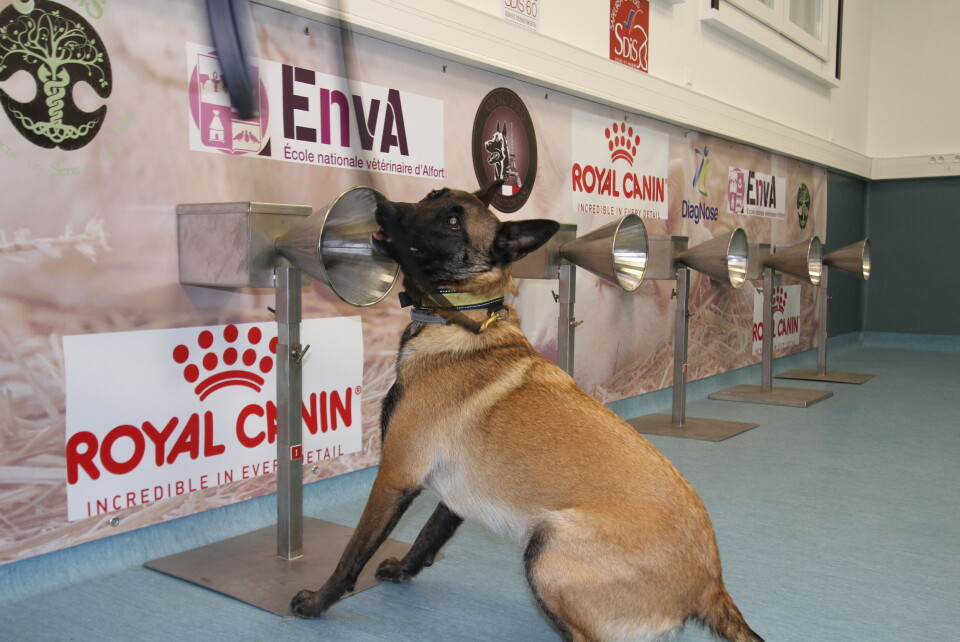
(836, 522)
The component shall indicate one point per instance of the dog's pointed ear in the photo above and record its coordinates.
(385, 207)
(488, 191)
(516, 239)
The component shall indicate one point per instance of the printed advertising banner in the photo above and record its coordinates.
(157, 413)
(786, 318)
(309, 117)
(128, 398)
(618, 169)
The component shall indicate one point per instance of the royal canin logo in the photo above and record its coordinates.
(235, 360)
(622, 142)
(779, 300)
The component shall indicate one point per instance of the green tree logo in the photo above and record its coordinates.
(58, 48)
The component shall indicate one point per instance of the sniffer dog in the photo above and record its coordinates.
(618, 544)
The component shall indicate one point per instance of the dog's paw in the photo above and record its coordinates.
(392, 569)
(307, 604)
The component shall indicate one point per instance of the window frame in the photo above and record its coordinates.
(770, 30)
(777, 18)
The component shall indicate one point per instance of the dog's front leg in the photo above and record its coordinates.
(435, 533)
(384, 508)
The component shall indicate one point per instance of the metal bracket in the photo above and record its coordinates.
(298, 352)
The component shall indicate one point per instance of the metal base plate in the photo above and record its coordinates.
(828, 375)
(247, 567)
(693, 427)
(796, 397)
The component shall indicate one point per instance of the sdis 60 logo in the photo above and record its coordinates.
(629, 26)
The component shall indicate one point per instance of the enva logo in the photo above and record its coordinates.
(221, 127)
(59, 49)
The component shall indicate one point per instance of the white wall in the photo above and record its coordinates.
(914, 93)
(682, 48)
(891, 109)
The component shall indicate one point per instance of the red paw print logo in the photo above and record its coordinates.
(779, 300)
(230, 360)
(622, 142)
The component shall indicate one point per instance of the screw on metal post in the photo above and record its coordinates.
(298, 352)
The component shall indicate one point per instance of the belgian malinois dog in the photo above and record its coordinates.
(618, 544)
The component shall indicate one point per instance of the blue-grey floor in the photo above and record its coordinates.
(836, 522)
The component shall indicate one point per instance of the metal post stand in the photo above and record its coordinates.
(821, 373)
(566, 324)
(765, 393)
(678, 424)
(246, 567)
(289, 424)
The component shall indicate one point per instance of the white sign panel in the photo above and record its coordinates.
(305, 116)
(618, 169)
(158, 413)
(786, 318)
(525, 13)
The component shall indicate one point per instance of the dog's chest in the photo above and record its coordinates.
(447, 404)
(474, 501)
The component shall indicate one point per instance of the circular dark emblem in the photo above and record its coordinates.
(56, 46)
(803, 205)
(505, 148)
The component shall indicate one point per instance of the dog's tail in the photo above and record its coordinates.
(723, 617)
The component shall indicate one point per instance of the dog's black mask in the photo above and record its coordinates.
(451, 237)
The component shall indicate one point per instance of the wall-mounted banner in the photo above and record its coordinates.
(310, 117)
(756, 194)
(786, 318)
(618, 168)
(525, 13)
(158, 413)
(629, 32)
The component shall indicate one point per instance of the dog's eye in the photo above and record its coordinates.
(453, 222)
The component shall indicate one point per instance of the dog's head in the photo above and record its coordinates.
(451, 239)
